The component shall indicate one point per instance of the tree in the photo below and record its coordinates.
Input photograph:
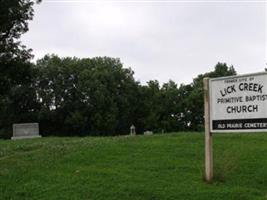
(85, 96)
(195, 102)
(150, 105)
(16, 72)
(169, 107)
(15, 67)
(14, 18)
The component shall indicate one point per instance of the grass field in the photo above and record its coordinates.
(157, 167)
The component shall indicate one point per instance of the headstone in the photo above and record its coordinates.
(148, 133)
(26, 130)
(132, 130)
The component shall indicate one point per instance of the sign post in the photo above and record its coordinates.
(233, 104)
(208, 134)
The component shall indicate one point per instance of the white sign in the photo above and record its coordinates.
(238, 103)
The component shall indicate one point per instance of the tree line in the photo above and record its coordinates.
(87, 96)
(98, 96)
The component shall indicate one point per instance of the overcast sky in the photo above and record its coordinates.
(159, 40)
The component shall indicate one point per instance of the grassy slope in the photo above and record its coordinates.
(141, 167)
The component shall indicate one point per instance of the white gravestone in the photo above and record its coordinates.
(26, 130)
(132, 130)
(148, 133)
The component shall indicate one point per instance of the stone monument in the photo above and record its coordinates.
(132, 130)
(25, 130)
(148, 133)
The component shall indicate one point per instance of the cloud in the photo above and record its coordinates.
(160, 41)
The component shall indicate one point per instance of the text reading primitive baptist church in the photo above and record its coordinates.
(242, 87)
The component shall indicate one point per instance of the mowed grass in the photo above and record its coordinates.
(154, 167)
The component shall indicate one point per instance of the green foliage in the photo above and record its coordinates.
(171, 108)
(98, 96)
(86, 96)
(14, 57)
(17, 92)
(165, 167)
(14, 18)
(195, 101)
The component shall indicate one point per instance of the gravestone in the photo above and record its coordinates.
(132, 130)
(148, 133)
(26, 130)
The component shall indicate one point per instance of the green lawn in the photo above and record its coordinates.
(143, 167)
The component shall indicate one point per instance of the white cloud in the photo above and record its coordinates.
(158, 40)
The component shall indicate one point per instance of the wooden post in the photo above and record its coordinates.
(208, 135)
